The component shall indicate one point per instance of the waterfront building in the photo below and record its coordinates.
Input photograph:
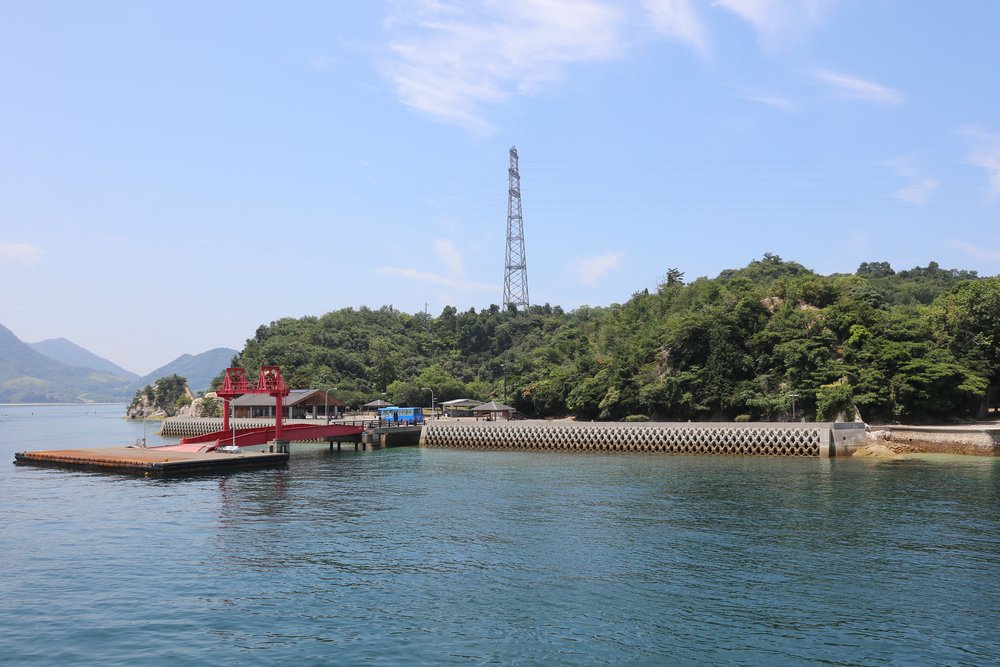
(299, 404)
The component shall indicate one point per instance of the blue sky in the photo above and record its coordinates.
(175, 174)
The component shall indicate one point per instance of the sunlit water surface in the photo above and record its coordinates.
(435, 556)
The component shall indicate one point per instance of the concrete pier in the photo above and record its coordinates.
(394, 436)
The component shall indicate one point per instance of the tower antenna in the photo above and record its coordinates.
(515, 279)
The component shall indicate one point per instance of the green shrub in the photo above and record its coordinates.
(211, 407)
(834, 399)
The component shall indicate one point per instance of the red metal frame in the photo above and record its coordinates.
(269, 382)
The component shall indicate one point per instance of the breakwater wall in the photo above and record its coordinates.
(758, 439)
(190, 427)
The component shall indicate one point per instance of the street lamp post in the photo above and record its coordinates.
(794, 396)
(432, 399)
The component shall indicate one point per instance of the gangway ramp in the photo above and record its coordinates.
(250, 437)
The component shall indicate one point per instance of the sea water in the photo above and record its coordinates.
(430, 556)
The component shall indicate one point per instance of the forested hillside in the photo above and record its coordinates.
(921, 344)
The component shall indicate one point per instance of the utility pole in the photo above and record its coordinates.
(794, 396)
(515, 279)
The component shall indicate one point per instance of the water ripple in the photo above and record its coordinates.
(438, 556)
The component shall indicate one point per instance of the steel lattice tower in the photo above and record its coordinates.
(515, 278)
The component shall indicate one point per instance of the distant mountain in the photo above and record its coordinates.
(28, 376)
(67, 373)
(198, 369)
(70, 353)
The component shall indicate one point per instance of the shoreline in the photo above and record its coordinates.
(967, 440)
(42, 405)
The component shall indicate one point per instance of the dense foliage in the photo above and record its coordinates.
(922, 344)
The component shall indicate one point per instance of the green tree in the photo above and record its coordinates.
(384, 359)
(834, 400)
(166, 394)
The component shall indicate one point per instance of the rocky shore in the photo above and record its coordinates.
(896, 440)
(142, 409)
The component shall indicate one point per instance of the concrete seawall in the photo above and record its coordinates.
(772, 439)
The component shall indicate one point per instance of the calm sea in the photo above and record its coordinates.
(413, 556)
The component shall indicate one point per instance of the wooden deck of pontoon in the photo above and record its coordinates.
(151, 461)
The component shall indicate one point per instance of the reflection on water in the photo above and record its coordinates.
(432, 556)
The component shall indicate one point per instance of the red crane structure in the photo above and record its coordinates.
(269, 382)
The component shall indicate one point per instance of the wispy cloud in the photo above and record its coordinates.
(455, 282)
(456, 61)
(917, 193)
(985, 152)
(977, 252)
(773, 101)
(591, 269)
(678, 20)
(853, 88)
(20, 254)
(920, 187)
(452, 61)
(780, 23)
(449, 255)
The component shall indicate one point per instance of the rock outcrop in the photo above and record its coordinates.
(143, 408)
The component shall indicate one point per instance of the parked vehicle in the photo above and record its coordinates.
(397, 415)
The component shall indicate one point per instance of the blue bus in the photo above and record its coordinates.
(395, 415)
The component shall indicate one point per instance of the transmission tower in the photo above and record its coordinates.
(515, 278)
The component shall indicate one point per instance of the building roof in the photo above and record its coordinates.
(295, 397)
(492, 406)
(460, 403)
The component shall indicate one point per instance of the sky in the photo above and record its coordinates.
(175, 174)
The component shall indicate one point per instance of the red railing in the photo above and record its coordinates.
(248, 437)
